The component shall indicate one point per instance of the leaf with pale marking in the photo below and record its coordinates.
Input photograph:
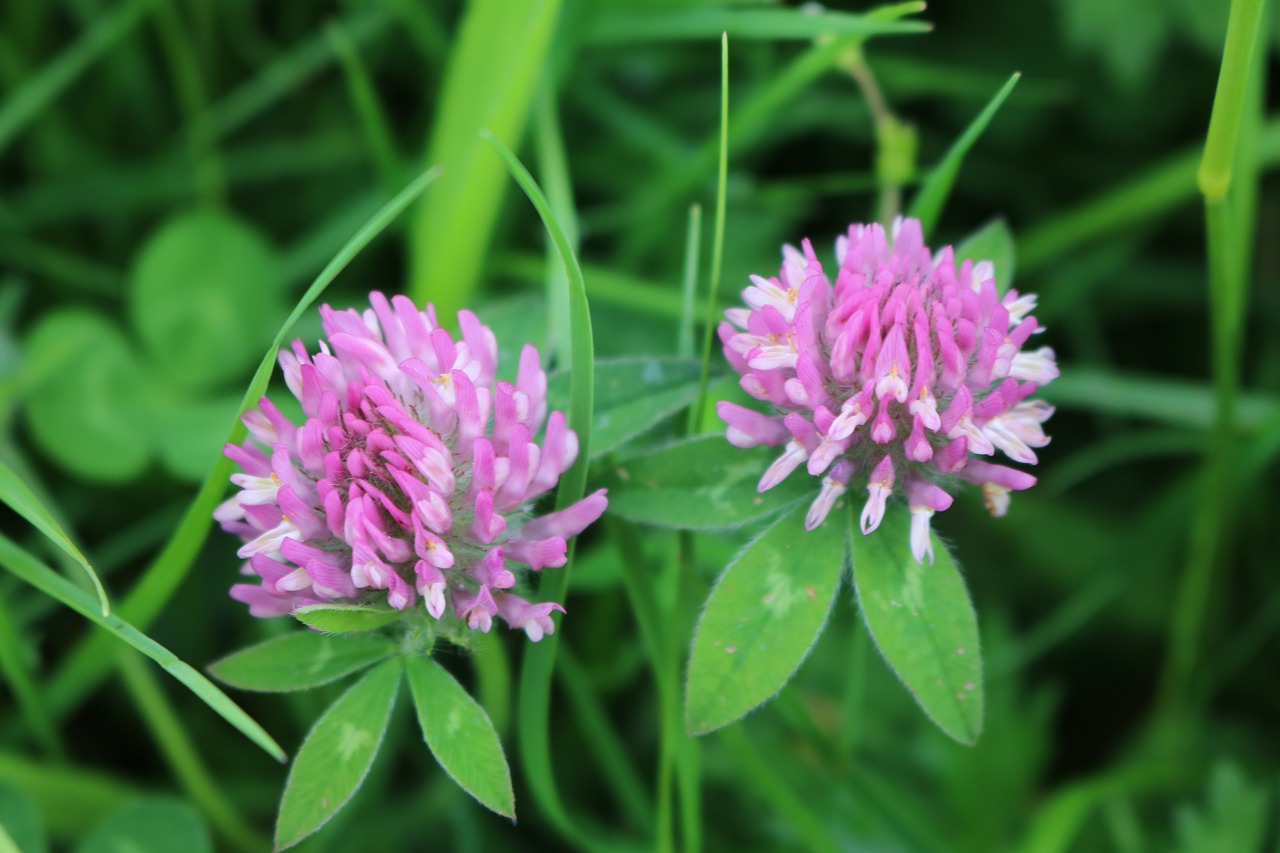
(461, 737)
(337, 754)
(923, 623)
(299, 661)
(762, 618)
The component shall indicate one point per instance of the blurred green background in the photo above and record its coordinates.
(173, 173)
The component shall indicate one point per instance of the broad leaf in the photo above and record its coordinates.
(631, 395)
(191, 434)
(85, 403)
(337, 754)
(992, 242)
(345, 618)
(923, 623)
(704, 483)
(299, 661)
(150, 825)
(204, 294)
(762, 618)
(460, 735)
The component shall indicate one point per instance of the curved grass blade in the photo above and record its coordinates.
(923, 623)
(337, 754)
(45, 579)
(460, 735)
(763, 617)
(21, 500)
(89, 663)
(932, 197)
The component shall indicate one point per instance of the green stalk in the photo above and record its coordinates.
(30, 702)
(1228, 228)
(180, 754)
(689, 283)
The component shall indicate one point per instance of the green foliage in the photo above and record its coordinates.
(923, 623)
(20, 821)
(299, 661)
(337, 754)
(460, 736)
(992, 242)
(1234, 818)
(762, 619)
(150, 825)
(345, 618)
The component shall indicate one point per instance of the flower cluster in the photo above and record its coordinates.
(400, 483)
(907, 370)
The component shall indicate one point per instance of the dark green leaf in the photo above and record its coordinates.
(150, 825)
(704, 483)
(923, 623)
(337, 754)
(992, 242)
(85, 400)
(631, 395)
(345, 618)
(460, 736)
(762, 618)
(299, 661)
(205, 293)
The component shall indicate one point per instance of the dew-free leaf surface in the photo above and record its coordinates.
(150, 824)
(762, 618)
(345, 618)
(299, 661)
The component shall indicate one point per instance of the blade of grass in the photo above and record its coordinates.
(31, 98)
(92, 659)
(628, 26)
(178, 751)
(373, 118)
(45, 579)
(20, 499)
(553, 165)
(490, 82)
(689, 282)
(932, 196)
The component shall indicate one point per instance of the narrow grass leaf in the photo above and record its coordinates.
(932, 197)
(151, 823)
(764, 615)
(345, 618)
(45, 579)
(90, 662)
(622, 25)
(632, 395)
(460, 735)
(299, 661)
(490, 83)
(16, 668)
(21, 500)
(923, 623)
(703, 483)
(337, 754)
(992, 242)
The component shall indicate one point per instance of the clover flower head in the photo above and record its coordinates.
(413, 475)
(908, 371)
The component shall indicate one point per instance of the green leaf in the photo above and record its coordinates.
(932, 196)
(923, 623)
(85, 400)
(704, 483)
(631, 396)
(45, 579)
(334, 759)
(20, 499)
(150, 825)
(647, 24)
(992, 242)
(345, 618)
(20, 818)
(763, 616)
(191, 434)
(460, 736)
(299, 661)
(204, 294)
(1234, 817)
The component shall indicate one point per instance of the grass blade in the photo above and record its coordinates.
(45, 579)
(932, 197)
(21, 500)
(617, 27)
(91, 660)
